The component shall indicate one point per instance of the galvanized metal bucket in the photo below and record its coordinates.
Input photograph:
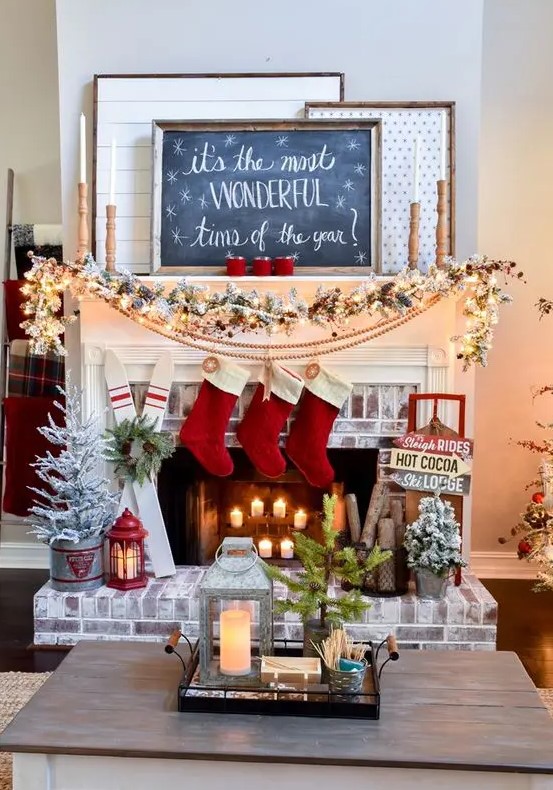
(346, 683)
(75, 567)
(429, 585)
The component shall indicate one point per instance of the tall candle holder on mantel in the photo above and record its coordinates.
(83, 238)
(110, 237)
(414, 220)
(441, 225)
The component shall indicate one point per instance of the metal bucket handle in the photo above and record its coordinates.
(393, 651)
(172, 643)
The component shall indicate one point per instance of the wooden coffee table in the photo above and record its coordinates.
(107, 718)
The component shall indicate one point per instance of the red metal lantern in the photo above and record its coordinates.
(126, 553)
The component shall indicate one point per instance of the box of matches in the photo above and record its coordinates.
(296, 670)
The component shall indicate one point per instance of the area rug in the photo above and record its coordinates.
(16, 689)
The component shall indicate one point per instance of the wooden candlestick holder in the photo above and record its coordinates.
(110, 237)
(442, 247)
(83, 238)
(414, 218)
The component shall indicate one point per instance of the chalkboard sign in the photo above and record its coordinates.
(308, 189)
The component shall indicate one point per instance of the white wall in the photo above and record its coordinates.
(29, 142)
(515, 219)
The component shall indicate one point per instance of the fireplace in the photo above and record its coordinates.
(197, 505)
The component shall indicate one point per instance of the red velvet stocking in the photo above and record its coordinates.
(321, 403)
(203, 432)
(258, 433)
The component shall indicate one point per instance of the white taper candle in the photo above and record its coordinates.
(82, 178)
(416, 171)
(112, 172)
(443, 147)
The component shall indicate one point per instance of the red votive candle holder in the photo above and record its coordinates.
(236, 266)
(284, 266)
(262, 267)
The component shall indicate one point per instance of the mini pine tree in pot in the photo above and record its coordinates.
(76, 505)
(309, 593)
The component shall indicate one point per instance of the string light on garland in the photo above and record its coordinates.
(191, 312)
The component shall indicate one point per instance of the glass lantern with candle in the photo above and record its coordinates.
(236, 597)
(126, 553)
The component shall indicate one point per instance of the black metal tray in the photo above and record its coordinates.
(315, 701)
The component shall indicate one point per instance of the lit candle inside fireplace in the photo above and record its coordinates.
(257, 507)
(265, 548)
(287, 549)
(279, 508)
(235, 641)
(236, 518)
(300, 519)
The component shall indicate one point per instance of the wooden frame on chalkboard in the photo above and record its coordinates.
(401, 123)
(358, 231)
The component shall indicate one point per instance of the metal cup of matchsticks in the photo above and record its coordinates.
(346, 683)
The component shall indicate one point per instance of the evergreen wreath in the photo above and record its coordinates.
(137, 449)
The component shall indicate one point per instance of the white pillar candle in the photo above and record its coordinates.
(257, 507)
(279, 508)
(236, 518)
(130, 557)
(112, 172)
(443, 147)
(416, 172)
(287, 549)
(300, 519)
(235, 642)
(265, 549)
(119, 562)
(83, 149)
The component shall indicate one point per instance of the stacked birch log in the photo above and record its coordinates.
(384, 524)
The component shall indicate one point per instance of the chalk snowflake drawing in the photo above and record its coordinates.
(361, 257)
(348, 185)
(282, 141)
(353, 145)
(178, 237)
(340, 201)
(359, 169)
(230, 139)
(171, 211)
(178, 147)
(296, 257)
(230, 254)
(203, 202)
(172, 176)
(185, 195)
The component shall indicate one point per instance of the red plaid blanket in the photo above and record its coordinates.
(30, 374)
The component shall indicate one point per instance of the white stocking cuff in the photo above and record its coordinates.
(228, 377)
(329, 387)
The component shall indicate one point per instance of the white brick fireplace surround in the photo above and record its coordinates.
(417, 357)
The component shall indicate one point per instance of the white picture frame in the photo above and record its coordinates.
(126, 105)
(401, 124)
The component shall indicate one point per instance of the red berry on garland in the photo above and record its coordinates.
(524, 548)
(537, 498)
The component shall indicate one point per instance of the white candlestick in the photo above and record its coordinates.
(443, 147)
(120, 565)
(131, 561)
(300, 519)
(112, 173)
(416, 172)
(265, 549)
(83, 149)
(235, 642)
(279, 508)
(257, 507)
(236, 518)
(287, 549)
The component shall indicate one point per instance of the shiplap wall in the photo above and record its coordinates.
(125, 109)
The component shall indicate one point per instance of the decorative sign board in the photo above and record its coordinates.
(415, 461)
(308, 189)
(422, 481)
(423, 462)
(464, 448)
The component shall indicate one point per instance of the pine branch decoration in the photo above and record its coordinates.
(308, 591)
(137, 449)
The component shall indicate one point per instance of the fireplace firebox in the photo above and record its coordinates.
(197, 506)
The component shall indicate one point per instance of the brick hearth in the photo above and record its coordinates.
(466, 620)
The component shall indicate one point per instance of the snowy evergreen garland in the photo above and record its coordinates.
(75, 503)
(433, 541)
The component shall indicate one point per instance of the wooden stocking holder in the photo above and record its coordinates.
(412, 498)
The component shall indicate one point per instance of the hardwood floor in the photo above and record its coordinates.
(525, 625)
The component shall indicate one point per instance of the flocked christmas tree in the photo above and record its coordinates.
(310, 587)
(76, 502)
(433, 541)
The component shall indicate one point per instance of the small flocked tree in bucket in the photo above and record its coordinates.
(309, 590)
(433, 544)
(76, 506)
